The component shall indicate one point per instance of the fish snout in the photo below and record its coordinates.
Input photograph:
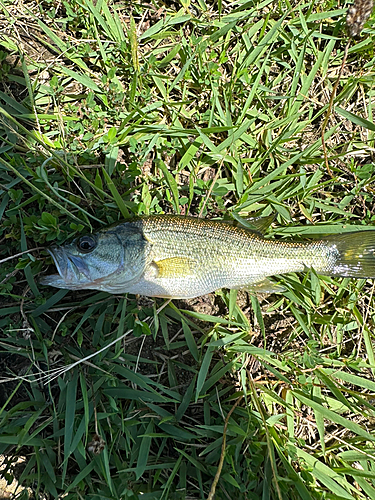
(71, 268)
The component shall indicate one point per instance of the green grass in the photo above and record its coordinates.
(110, 110)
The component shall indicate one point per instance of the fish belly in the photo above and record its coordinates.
(199, 282)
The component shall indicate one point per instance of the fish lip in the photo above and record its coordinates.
(70, 267)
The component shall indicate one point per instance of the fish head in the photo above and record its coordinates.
(108, 260)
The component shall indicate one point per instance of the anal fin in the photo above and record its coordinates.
(263, 286)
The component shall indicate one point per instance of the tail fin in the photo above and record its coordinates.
(355, 254)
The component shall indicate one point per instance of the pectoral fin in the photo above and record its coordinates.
(264, 286)
(174, 267)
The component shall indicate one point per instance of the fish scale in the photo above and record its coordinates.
(184, 257)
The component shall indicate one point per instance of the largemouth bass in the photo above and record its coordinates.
(183, 257)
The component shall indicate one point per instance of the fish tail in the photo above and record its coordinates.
(354, 254)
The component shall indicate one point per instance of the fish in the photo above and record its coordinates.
(180, 257)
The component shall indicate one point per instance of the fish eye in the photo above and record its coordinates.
(86, 244)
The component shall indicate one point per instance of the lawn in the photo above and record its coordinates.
(110, 110)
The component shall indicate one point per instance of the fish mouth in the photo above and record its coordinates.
(72, 270)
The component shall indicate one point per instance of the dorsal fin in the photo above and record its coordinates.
(258, 224)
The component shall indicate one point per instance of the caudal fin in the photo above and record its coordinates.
(355, 254)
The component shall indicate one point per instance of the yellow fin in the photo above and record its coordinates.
(175, 267)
